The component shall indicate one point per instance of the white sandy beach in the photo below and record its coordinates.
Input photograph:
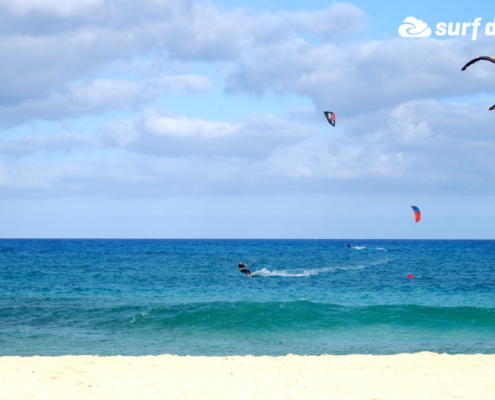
(405, 376)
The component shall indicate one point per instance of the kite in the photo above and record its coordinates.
(487, 58)
(417, 213)
(330, 117)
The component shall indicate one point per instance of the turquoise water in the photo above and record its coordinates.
(187, 297)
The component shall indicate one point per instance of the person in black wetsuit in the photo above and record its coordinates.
(243, 268)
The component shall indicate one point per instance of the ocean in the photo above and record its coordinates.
(187, 297)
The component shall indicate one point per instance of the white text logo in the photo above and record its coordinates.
(413, 27)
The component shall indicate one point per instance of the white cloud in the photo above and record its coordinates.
(50, 44)
(408, 148)
(61, 8)
(409, 151)
(265, 49)
(337, 21)
(46, 46)
(447, 145)
(360, 77)
(99, 96)
(177, 136)
(59, 142)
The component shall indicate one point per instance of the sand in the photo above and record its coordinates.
(403, 376)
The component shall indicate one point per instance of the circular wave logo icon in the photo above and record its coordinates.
(413, 27)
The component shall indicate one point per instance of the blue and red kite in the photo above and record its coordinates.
(417, 213)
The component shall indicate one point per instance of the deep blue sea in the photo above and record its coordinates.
(187, 297)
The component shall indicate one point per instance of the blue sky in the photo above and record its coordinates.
(192, 119)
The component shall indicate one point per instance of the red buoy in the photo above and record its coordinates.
(410, 276)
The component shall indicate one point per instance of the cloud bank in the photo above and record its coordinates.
(91, 91)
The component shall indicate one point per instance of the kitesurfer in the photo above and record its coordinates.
(243, 268)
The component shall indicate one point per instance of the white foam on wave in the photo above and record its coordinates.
(135, 317)
(353, 267)
(364, 247)
(305, 272)
(291, 273)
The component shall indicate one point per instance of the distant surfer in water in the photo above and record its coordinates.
(348, 245)
(243, 268)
